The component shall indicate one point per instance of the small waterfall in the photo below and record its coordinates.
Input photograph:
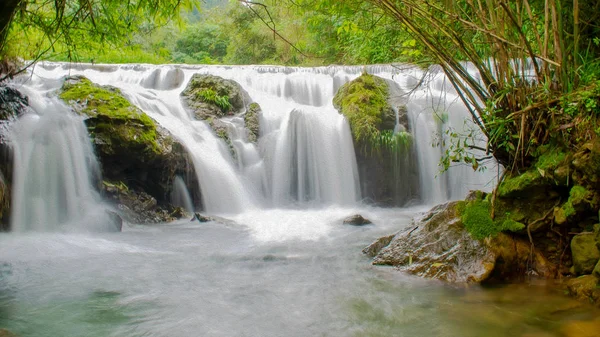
(54, 166)
(304, 155)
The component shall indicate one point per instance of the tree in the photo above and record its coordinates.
(43, 25)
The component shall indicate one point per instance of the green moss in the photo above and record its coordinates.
(577, 196)
(519, 182)
(116, 120)
(479, 223)
(364, 103)
(550, 158)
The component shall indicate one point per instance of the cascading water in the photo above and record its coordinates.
(54, 167)
(304, 154)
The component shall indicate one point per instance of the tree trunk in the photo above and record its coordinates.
(8, 8)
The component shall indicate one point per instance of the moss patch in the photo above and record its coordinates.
(519, 183)
(364, 102)
(115, 120)
(479, 223)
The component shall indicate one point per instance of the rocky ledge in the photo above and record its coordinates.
(139, 159)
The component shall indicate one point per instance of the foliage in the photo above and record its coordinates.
(208, 95)
(520, 51)
(34, 28)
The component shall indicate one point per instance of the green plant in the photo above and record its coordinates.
(208, 95)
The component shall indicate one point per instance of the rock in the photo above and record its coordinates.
(136, 206)
(357, 220)
(584, 288)
(374, 248)
(438, 246)
(210, 96)
(12, 105)
(368, 103)
(132, 148)
(202, 218)
(585, 253)
(596, 271)
(251, 118)
(116, 222)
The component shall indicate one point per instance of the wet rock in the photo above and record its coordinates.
(251, 118)
(585, 253)
(116, 222)
(213, 98)
(357, 220)
(370, 104)
(202, 218)
(132, 148)
(584, 288)
(210, 96)
(12, 105)
(438, 246)
(373, 249)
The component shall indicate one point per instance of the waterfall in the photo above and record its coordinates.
(54, 166)
(304, 155)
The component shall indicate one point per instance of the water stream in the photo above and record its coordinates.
(280, 263)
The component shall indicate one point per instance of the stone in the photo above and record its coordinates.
(210, 96)
(357, 220)
(437, 245)
(585, 253)
(133, 150)
(369, 103)
(202, 218)
(584, 288)
(116, 222)
(373, 249)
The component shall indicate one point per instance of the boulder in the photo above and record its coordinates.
(585, 253)
(12, 104)
(132, 148)
(202, 218)
(210, 96)
(357, 220)
(213, 98)
(437, 245)
(386, 159)
(584, 288)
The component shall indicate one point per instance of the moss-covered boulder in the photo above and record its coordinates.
(438, 245)
(585, 253)
(213, 98)
(386, 160)
(130, 146)
(210, 96)
(251, 118)
(584, 288)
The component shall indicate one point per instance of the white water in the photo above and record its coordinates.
(304, 156)
(54, 168)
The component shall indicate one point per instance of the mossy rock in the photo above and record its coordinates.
(364, 102)
(585, 253)
(439, 246)
(584, 288)
(130, 146)
(252, 120)
(209, 96)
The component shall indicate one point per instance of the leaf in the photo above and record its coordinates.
(437, 265)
